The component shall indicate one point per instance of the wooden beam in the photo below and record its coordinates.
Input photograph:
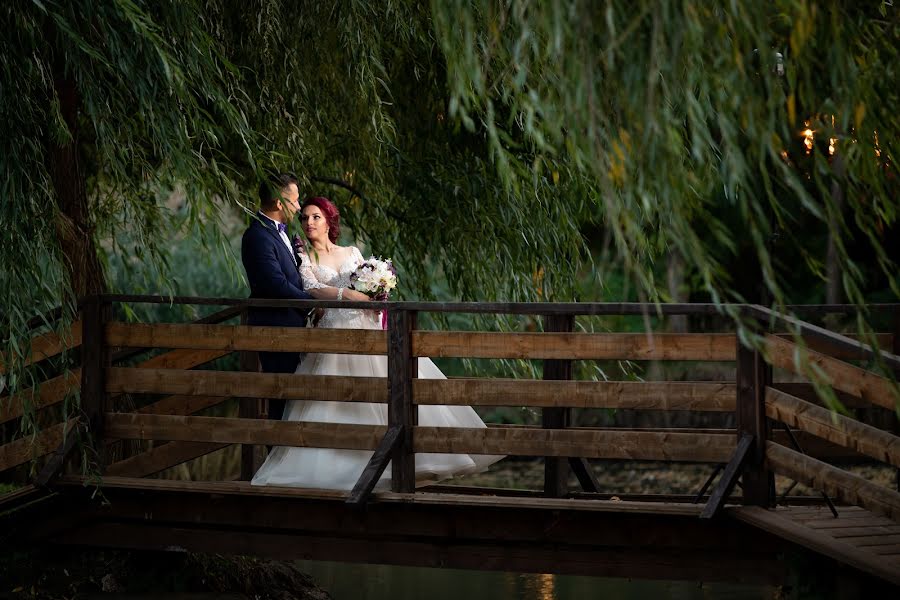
(585, 443)
(835, 428)
(843, 376)
(94, 362)
(556, 470)
(25, 449)
(44, 395)
(162, 457)
(287, 386)
(52, 469)
(729, 478)
(522, 441)
(244, 431)
(402, 414)
(48, 345)
(242, 337)
(575, 346)
(836, 483)
(376, 466)
(639, 395)
(753, 374)
(807, 330)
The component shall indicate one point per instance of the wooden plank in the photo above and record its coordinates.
(864, 520)
(53, 391)
(181, 405)
(651, 395)
(182, 359)
(402, 414)
(52, 469)
(873, 542)
(833, 481)
(576, 346)
(586, 443)
(817, 541)
(729, 478)
(806, 391)
(833, 427)
(524, 441)
(48, 345)
(47, 394)
(287, 386)
(808, 331)
(25, 449)
(162, 457)
(244, 431)
(887, 550)
(243, 337)
(869, 532)
(843, 376)
(375, 467)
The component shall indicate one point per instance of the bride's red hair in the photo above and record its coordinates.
(331, 213)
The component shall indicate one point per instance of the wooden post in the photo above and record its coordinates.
(753, 375)
(94, 362)
(402, 368)
(252, 456)
(556, 470)
(895, 349)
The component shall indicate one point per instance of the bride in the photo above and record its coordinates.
(326, 275)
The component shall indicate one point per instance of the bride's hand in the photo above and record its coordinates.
(355, 296)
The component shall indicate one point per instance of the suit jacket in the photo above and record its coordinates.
(272, 273)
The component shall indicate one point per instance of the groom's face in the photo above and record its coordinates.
(290, 201)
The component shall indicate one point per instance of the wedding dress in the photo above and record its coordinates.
(336, 469)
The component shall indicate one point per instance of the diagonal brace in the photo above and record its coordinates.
(377, 464)
(733, 470)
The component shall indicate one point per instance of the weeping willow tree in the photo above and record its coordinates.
(492, 140)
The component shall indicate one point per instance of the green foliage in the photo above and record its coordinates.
(497, 147)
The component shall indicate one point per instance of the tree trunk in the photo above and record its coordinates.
(74, 227)
(677, 289)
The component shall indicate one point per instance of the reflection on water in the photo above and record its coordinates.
(382, 582)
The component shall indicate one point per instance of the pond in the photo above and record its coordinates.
(346, 581)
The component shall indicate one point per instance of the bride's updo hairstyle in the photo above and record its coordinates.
(331, 213)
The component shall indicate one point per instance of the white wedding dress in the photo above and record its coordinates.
(326, 468)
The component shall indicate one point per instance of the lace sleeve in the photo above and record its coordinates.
(306, 274)
(357, 256)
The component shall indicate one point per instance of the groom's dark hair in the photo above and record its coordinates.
(270, 188)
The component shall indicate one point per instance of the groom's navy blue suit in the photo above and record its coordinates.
(272, 273)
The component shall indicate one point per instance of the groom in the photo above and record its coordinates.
(271, 267)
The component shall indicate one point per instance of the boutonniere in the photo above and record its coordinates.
(299, 246)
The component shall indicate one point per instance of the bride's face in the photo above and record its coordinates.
(314, 224)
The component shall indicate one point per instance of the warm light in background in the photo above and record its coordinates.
(809, 137)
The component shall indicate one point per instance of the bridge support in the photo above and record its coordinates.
(556, 470)
(753, 375)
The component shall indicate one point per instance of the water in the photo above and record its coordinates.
(345, 581)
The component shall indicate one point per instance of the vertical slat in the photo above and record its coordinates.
(753, 374)
(95, 360)
(402, 367)
(556, 470)
(252, 456)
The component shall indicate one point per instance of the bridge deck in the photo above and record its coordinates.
(856, 537)
(579, 536)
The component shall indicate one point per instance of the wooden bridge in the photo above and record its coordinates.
(147, 382)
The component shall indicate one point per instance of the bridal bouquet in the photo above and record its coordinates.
(375, 277)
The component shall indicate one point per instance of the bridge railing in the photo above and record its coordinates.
(185, 390)
(834, 360)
